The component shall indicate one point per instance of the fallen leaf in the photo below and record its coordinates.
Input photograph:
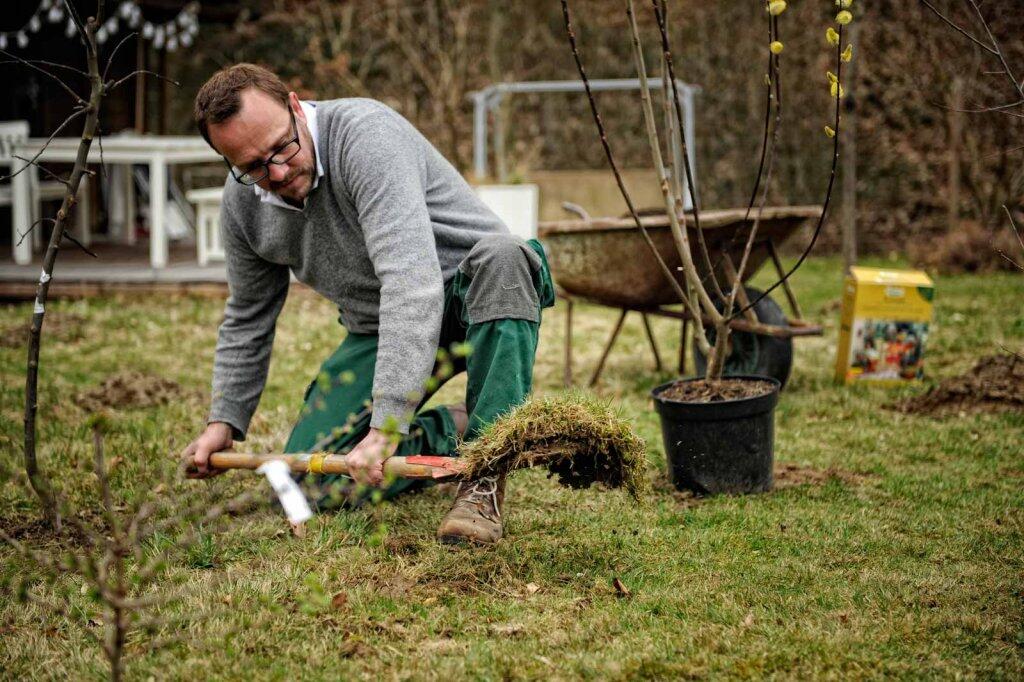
(114, 463)
(159, 489)
(620, 588)
(339, 600)
(226, 599)
(429, 600)
(748, 620)
(532, 588)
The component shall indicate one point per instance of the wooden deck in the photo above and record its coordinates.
(117, 269)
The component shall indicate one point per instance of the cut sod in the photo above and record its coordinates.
(577, 438)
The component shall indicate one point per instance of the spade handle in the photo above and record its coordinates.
(412, 466)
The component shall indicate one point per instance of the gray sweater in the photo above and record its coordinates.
(380, 235)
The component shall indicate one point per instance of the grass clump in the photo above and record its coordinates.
(577, 438)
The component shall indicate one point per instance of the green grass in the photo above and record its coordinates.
(906, 563)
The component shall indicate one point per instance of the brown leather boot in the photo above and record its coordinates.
(476, 514)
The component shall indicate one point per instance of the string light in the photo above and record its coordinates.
(180, 31)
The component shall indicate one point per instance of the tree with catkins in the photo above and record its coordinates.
(701, 292)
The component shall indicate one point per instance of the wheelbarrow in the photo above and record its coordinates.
(605, 261)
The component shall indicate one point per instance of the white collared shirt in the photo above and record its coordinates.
(268, 197)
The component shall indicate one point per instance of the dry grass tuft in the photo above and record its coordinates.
(577, 438)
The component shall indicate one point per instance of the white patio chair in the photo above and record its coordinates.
(208, 244)
(12, 132)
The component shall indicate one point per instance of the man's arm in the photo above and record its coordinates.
(257, 291)
(384, 169)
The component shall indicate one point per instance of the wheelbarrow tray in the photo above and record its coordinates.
(608, 261)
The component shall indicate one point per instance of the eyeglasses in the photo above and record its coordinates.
(260, 170)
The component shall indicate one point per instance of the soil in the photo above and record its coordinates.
(784, 476)
(131, 389)
(792, 475)
(62, 327)
(716, 391)
(995, 384)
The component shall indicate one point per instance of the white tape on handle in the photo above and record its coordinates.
(296, 508)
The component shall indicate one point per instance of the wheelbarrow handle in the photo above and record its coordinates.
(412, 466)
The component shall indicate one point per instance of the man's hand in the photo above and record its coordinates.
(366, 461)
(215, 438)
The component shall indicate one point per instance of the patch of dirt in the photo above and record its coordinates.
(784, 476)
(402, 545)
(131, 389)
(37, 531)
(995, 384)
(792, 475)
(716, 391)
(62, 327)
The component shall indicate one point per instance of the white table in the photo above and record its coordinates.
(158, 151)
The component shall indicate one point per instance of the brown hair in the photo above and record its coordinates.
(219, 98)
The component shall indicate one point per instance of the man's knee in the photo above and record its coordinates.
(501, 268)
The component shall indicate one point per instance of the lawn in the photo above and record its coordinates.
(893, 545)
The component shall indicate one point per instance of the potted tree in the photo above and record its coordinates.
(718, 428)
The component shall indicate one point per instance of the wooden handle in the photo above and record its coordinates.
(413, 466)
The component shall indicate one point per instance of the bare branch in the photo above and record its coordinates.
(113, 53)
(957, 28)
(669, 275)
(1014, 354)
(48, 74)
(79, 24)
(998, 50)
(33, 226)
(61, 127)
(690, 180)
(83, 247)
(982, 110)
(117, 83)
(49, 173)
(1013, 225)
(773, 78)
(828, 191)
(43, 62)
(679, 234)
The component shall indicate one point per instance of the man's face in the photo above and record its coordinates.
(260, 127)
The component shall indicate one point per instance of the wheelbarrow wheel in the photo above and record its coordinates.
(751, 353)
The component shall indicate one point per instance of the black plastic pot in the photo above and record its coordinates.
(720, 447)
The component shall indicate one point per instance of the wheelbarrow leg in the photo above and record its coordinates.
(650, 338)
(567, 371)
(608, 349)
(790, 297)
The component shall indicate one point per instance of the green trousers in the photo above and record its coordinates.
(496, 354)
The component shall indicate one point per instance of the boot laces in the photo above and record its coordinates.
(482, 491)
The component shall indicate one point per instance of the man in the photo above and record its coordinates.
(350, 198)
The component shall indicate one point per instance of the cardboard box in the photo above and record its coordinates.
(884, 326)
